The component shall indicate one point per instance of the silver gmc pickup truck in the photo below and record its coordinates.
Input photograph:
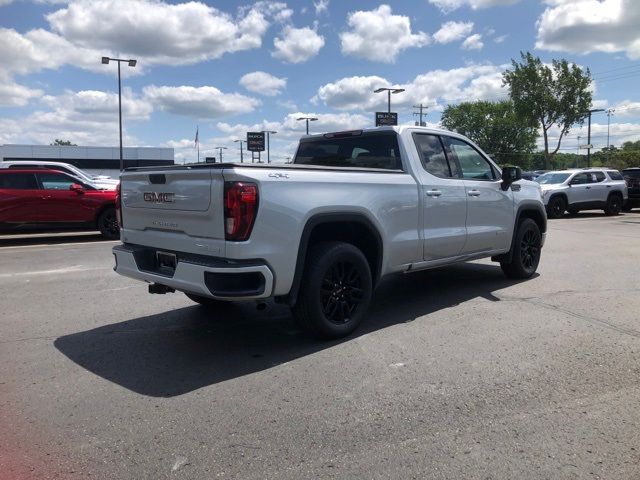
(321, 232)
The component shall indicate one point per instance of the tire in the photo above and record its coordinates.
(335, 292)
(556, 207)
(108, 224)
(206, 301)
(614, 204)
(525, 255)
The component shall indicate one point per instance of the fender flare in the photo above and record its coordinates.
(319, 219)
(524, 206)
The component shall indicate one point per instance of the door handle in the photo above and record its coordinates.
(608, 186)
(474, 193)
(434, 193)
(588, 188)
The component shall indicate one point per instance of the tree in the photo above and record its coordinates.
(63, 143)
(549, 96)
(495, 127)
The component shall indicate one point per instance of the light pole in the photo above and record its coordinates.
(389, 92)
(132, 63)
(220, 150)
(308, 119)
(271, 132)
(609, 113)
(589, 135)
(241, 154)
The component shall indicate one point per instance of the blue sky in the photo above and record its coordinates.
(229, 67)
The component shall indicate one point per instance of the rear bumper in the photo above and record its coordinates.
(197, 274)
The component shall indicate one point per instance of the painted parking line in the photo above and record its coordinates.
(72, 269)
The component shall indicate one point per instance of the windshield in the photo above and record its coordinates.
(365, 150)
(552, 178)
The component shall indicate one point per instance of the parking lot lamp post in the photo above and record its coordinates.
(389, 92)
(268, 153)
(308, 119)
(589, 135)
(132, 63)
(241, 154)
(220, 150)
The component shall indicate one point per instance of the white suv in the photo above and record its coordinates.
(101, 182)
(583, 189)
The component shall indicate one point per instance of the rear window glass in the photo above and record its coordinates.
(19, 181)
(614, 175)
(366, 150)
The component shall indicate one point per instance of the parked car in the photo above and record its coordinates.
(101, 182)
(321, 232)
(583, 189)
(40, 199)
(532, 175)
(632, 178)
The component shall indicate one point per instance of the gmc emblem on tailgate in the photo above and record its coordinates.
(158, 197)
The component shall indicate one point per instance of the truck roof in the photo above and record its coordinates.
(398, 129)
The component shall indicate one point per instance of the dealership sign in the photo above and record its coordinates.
(386, 118)
(255, 141)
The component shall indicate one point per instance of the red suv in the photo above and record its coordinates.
(47, 199)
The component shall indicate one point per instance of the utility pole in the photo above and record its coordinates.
(420, 113)
(268, 132)
(589, 135)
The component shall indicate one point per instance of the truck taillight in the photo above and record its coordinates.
(240, 209)
(118, 206)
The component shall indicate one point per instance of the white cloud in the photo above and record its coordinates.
(591, 26)
(99, 106)
(353, 93)
(379, 35)
(297, 45)
(14, 95)
(321, 6)
(500, 38)
(5, 2)
(450, 5)
(263, 83)
(158, 32)
(434, 88)
(452, 31)
(473, 42)
(199, 102)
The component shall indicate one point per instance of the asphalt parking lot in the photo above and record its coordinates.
(458, 372)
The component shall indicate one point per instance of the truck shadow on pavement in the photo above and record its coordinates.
(179, 351)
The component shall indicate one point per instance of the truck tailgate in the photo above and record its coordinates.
(178, 201)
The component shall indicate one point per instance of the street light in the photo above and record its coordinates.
(241, 154)
(220, 150)
(589, 134)
(389, 92)
(609, 113)
(132, 63)
(308, 119)
(274, 132)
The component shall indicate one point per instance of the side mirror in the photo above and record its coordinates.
(510, 175)
(74, 187)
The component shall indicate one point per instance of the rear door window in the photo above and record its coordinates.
(614, 175)
(597, 177)
(433, 157)
(19, 181)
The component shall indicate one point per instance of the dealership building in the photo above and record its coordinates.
(94, 160)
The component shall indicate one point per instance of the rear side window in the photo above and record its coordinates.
(614, 175)
(432, 155)
(364, 150)
(19, 181)
(597, 177)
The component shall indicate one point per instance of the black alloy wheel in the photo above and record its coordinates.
(526, 251)
(108, 224)
(335, 291)
(341, 293)
(556, 207)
